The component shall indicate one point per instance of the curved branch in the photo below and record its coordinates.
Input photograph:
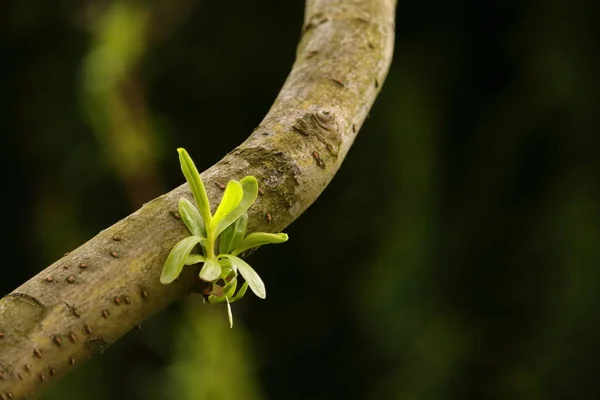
(92, 296)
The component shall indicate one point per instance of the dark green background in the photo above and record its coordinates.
(456, 254)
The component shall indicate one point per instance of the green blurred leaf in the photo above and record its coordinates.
(191, 217)
(258, 239)
(250, 191)
(254, 281)
(176, 259)
(195, 181)
(233, 235)
(211, 270)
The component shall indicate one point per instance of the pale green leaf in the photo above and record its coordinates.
(233, 235)
(254, 281)
(231, 198)
(176, 259)
(240, 293)
(225, 265)
(258, 239)
(191, 217)
(194, 259)
(229, 313)
(229, 288)
(226, 268)
(211, 270)
(193, 178)
(250, 191)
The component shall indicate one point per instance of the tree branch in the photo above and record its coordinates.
(85, 301)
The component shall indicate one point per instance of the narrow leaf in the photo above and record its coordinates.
(233, 235)
(250, 189)
(229, 275)
(229, 313)
(231, 198)
(192, 176)
(191, 217)
(229, 288)
(258, 239)
(194, 259)
(176, 259)
(254, 281)
(211, 270)
(240, 293)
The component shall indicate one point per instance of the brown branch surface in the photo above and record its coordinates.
(85, 301)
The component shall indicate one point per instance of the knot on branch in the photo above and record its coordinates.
(323, 126)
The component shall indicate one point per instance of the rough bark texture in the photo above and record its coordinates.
(92, 296)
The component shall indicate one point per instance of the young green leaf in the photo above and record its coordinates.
(176, 259)
(240, 293)
(229, 313)
(258, 239)
(194, 259)
(195, 181)
(191, 218)
(231, 198)
(219, 293)
(228, 274)
(229, 289)
(233, 235)
(226, 267)
(254, 281)
(211, 270)
(250, 191)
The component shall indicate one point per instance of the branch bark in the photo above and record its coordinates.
(85, 301)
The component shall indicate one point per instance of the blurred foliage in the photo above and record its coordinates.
(464, 222)
(113, 96)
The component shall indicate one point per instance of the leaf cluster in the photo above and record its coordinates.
(228, 224)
